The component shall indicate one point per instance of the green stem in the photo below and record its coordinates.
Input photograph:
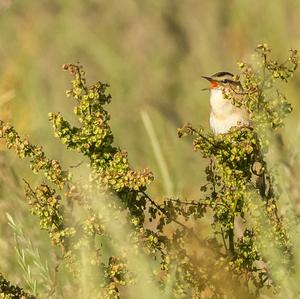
(231, 240)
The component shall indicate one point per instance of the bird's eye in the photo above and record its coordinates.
(225, 81)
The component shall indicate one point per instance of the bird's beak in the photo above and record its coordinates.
(212, 81)
(207, 78)
(206, 88)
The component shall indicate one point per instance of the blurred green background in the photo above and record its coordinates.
(152, 53)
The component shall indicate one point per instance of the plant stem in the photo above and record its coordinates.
(231, 240)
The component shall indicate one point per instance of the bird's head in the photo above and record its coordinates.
(221, 80)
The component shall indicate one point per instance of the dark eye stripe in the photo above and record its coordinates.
(230, 82)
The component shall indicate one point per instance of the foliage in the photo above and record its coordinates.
(80, 215)
(9, 291)
(238, 171)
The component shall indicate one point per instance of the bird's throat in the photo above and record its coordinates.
(224, 114)
(218, 103)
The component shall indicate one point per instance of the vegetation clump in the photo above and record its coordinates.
(9, 291)
(241, 194)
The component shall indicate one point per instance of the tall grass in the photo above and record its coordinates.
(152, 52)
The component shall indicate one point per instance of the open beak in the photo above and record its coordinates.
(207, 78)
(212, 81)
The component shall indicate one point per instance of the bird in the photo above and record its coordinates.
(224, 115)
